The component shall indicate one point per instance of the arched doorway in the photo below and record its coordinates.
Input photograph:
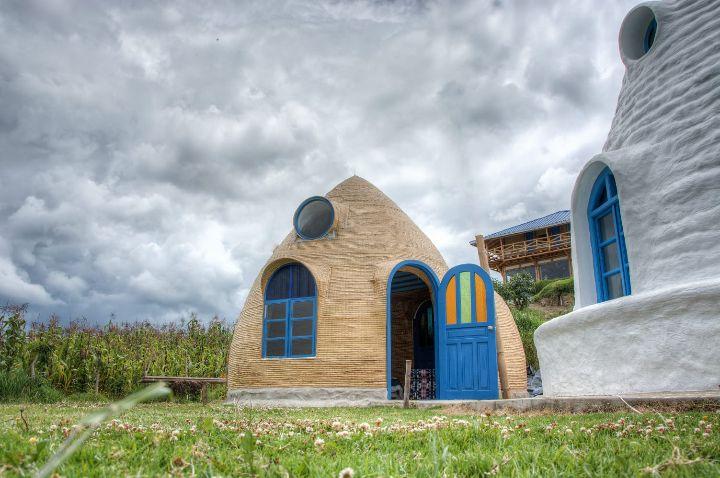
(411, 305)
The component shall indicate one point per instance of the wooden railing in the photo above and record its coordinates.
(529, 248)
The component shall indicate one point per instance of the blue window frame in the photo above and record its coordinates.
(612, 273)
(649, 37)
(290, 313)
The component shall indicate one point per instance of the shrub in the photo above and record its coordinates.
(540, 284)
(555, 290)
(527, 321)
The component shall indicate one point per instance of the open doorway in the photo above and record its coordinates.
(412, 326)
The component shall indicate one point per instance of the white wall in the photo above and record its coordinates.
(664, 151)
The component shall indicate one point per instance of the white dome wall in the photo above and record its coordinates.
(664, 151)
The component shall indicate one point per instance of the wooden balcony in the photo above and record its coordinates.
(533, 248)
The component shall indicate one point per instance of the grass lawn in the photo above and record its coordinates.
(217, 440)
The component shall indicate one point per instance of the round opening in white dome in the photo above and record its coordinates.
(314, 218)
(637, 33)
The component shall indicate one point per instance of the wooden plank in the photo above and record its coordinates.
(159, 378)
(406, 390)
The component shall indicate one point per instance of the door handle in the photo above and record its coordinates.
(490, 327)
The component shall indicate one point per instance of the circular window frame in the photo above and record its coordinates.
(633, 34)
(299, 210)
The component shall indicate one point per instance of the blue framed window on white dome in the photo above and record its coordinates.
(290, 316)
(612, 273)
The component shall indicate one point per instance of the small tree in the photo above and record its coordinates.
(502, 289)
(520, 290)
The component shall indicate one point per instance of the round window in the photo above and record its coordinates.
(637, 33)
(314, 218)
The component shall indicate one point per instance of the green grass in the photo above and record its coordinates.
(17, 383)
(527, 320)
(216, 440)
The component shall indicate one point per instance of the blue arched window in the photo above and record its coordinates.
(612, 276)
(290, 313)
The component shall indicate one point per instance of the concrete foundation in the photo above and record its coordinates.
(308, 397)
(586, 404)
(313, 398)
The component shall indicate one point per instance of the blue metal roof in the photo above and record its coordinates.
(559, 217)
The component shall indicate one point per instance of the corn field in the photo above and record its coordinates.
(111, 359)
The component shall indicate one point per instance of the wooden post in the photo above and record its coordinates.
(502, 368)
(98, 364)
(203, 393)
(406, 389)
(482, 252)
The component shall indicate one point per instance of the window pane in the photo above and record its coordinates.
(610, 257)
(276, 329)
(601, 199)
(480, 300)
(275, 348)
(315, 218)
(302, 327)
(465, 300)
(302, 309)
(614, 286)
(606, 226)
(276, 311)
(301, 347)
(279, 286)
(303, 283)
(556, 269)
(450, 302)
(291, 280)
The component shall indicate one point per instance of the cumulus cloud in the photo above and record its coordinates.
(153, 155)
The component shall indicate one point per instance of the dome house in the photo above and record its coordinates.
(646, 221)
(350, 294)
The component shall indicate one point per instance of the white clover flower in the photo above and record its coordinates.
(319, 442)
(346, 473)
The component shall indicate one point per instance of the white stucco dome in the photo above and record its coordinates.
(664, 152)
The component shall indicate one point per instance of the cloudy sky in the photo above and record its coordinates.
(152, 155)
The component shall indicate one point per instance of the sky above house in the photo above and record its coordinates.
(153, 155)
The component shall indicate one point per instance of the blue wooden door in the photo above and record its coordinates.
(467, 358)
